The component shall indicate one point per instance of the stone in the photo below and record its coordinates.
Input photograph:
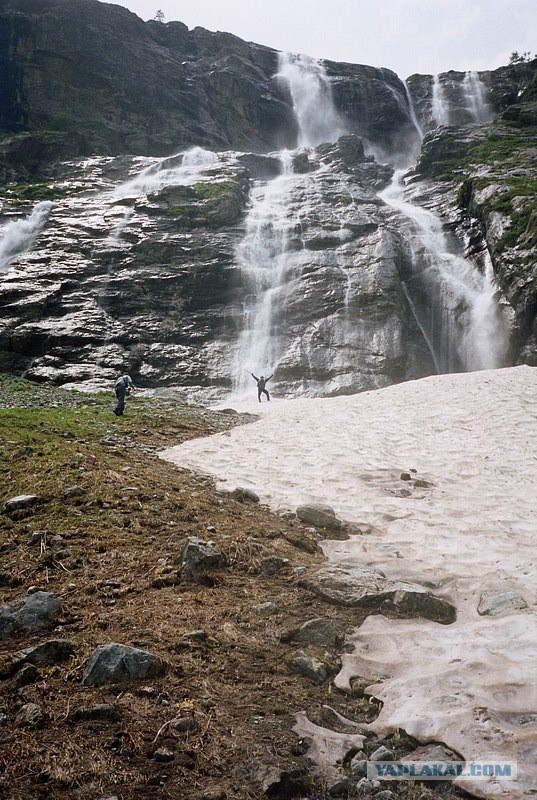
(381, 754)
(492, 603)
(199, 637)
(214, 794)
(53, 651)
(366, 787)
(29, 716)
(358, 766)
(74, 491)
(119, 663)
(164, 754)
(340, 787)
(28, 613)
(265, 609)
(20, 502)
(319, 515)
(303, 540)
(102, 712)
(309, 667)
(198, 557)
(317, 631)
(26, 676)
(349, 584)
(244, 495)
(272, 565)
(267, 773)
(406, 476)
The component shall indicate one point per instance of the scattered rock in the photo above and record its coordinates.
(358, 766)
(265, 609)
(214, 794)
(275, 781)
(273, 564)
(309, 667)
(119, 663)
(74, 491)
(492, 603)
(244, 495)
(381, 754)
(406, 476)
(163, 754)
(102, 712)
(199, 637)
(198, 557)
(317, 631)
(53, 651)
(26, 676)
(30, 716)
(365, 786)
(320, 515)
(302, 540)
(340, 787)
(349, 584)
(419, 483)
(20, 502)
(359, 685)
(27, 613)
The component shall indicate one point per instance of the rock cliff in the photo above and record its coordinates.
(153, 220)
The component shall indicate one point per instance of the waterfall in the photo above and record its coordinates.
(19, 236)
(440, 105)
(262, 257)
(316, 115)
(412, 112)
(475, 98)
(266, 256)
(459, 315)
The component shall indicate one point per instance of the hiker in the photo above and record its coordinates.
(123, 387)
(261, 383)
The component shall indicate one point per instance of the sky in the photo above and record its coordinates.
(408, 36)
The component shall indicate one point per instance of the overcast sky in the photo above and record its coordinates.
(407, 36)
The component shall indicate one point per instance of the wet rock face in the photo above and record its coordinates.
(137, 270)
(129, 86)
(181, 87)
(486, 185)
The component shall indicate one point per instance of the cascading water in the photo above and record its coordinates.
(316, 115)
(262, 258)
(19, 236)
(266, 255)
(440, 105)
(167, 173)
(475, 98)
(458, 315)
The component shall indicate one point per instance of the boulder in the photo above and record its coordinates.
(119, 663)
(27, 613)
(309, 667)
(349, 584)
(198, 557)
(319, 515)
(30, 716)
(20, 502)
(492, 603)
(317, 631)
(53, 651)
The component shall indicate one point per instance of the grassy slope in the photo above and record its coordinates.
(114, 573)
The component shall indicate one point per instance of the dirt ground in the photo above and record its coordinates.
(223, 713)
